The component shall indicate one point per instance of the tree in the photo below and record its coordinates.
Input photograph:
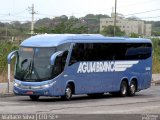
(156, 33)
(71, 25)
(109, 31)
(134, 35)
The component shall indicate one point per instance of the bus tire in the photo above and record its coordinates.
(34, 97)
(123, 89)
(132, 88)
(68, 93)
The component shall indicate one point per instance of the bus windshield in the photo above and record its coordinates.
(33, 64)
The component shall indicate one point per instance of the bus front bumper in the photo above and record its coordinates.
(28, 90)
(40, 92)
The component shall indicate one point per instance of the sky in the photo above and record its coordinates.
(19, 10)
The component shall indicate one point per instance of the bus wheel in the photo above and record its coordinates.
(68, 93)
(132, 88)
(123, 89)
(34, 97)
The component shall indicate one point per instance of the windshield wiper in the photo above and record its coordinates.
(28, 70)
(35, 71)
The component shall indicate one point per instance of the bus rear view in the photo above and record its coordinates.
(67, 64)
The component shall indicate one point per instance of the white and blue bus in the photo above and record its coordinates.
(67, 64)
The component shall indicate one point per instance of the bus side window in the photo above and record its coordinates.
(60, 64)
(77, 53)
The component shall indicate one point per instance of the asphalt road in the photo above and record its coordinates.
(146, 101)
(146, 104)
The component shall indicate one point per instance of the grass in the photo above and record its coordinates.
(156, 55)
(5, 49)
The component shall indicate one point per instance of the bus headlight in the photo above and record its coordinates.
(17, 84)
(46, 85)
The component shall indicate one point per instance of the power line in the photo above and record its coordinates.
(13, 14)
(142, 12)
(137, 3)
(13, 21)
(124, 15)
(43, 14)
(4, 15)
(150, 17)
(123, 6)
(33, 12)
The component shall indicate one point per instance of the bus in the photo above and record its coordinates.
(62, 65)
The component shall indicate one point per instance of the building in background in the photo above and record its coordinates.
(127, 25)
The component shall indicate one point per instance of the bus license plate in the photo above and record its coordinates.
(30, 92)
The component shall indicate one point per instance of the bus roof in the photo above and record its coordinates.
(51, 40)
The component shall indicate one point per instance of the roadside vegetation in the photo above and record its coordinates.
(5, 49)
(156, 55)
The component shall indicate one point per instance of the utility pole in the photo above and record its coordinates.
(115, 15)
(6, 32)
(32, 22)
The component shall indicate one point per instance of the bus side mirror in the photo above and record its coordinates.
(12, 55)
(9, 58)
(53, 57)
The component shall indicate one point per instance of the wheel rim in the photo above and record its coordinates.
(124, 90)
(132, 88)
(68, 93)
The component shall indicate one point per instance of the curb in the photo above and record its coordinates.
(155, 82)
(6, 95)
